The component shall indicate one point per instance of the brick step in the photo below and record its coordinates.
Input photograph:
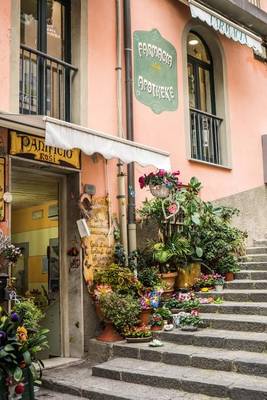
(82, 384)
(256, 250)
(253, 265)
(242, 362)
(231, 307)
(246, 284)
(236, 322)
(252, 275)
(254, 295)
(189, 379)
(219, 338)
(254, 258)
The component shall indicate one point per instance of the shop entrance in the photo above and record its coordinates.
(36, 227)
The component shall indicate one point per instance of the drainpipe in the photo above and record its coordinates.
(121, 175)
(129, 121)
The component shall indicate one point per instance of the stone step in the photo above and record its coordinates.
(254, 295)
(83, 385)
(231, 307)
(256, 250)
(219, 338)
(246, 284)
(213, 383)
(254, 258)
(253, 265)
(243, 362)
(250, 274)
(260, 242)
(236, 322)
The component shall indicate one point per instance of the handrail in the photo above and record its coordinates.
(48, 57)
(205, 113)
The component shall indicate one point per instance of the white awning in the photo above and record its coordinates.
(225, 26)
(68, 136)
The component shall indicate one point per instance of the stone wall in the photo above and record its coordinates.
(253, 211)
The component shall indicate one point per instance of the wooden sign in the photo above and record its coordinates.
(34, 147)
(2, 189)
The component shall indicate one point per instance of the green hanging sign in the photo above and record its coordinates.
(155, 71)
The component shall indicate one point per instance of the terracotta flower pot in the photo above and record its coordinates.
(145, 316)
(229, 276)
(169, 279)
(109, 334)
(156, 328)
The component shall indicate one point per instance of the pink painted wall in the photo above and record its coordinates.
(263, 4)
(5, 32)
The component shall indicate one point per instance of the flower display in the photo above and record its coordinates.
(161, 177)
(138, 332)
(183, 302)
(101, 290)
(208, 280)
(22, 333)
(150, 299)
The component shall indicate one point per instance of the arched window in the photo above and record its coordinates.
(205, 140)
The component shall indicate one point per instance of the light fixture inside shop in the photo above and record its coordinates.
(193, 42)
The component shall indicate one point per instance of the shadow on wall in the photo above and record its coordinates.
(253, 211)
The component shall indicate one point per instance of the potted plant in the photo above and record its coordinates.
(190, 322)
(19, 347)
(165, 313)
(156, 322)
(148, 301)
(160, 183)
(119, 312)
(138, 334)
(230, 273)
(218, 283)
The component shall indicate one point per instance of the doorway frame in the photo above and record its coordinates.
(62, 234)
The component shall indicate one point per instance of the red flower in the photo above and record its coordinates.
(142, 182)
(161, 172)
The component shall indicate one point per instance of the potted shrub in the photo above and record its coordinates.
(160, 183)
(190, 322)
(156, 322)
(230, 273)
(138, 334)
(119, 311)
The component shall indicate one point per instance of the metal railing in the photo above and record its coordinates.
(45, 84)
(256, 3)
(205, 136)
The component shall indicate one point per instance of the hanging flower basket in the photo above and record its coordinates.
(160, 191)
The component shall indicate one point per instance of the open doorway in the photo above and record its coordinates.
(35, 228)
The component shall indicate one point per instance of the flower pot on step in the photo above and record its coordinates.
(156, 328)
(109, 334)
(219, 288)
(189, 328)
(139, 339)
(145, 316)
(229, 276)
(169, 279)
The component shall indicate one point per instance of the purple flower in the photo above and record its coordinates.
(2, 337)
(14, 317)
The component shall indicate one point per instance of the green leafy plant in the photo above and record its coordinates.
(18, 351)
(165, 313)
(156, 320)
(121, 279)
(122, 310)
(190, 319)
(29, 313)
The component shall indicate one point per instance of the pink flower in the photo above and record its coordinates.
(195, 313)
(142, 182)
(176, 173)
(172, 208)
(161, 172)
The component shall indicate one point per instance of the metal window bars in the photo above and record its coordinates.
(45, 84)
(205, 136)
(256, 3)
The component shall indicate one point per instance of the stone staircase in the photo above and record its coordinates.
(227, 360)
